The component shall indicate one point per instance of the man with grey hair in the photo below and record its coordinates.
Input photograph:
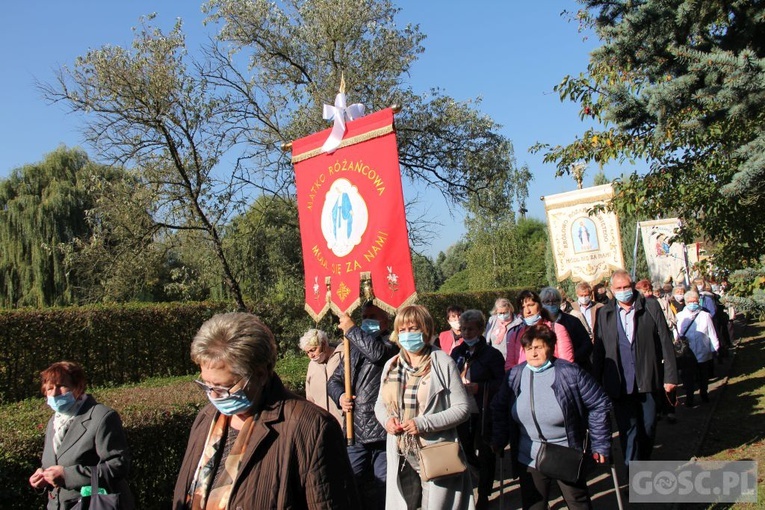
(634, 359)
(586, 308)
(580, 339)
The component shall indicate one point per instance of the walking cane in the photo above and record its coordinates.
(615, 478)
(501, 478)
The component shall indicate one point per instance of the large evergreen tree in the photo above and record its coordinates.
(680, 84)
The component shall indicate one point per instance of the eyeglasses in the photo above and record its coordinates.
(220, 392)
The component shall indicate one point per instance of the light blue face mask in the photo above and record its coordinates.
(471, 341)
(504, 316)
(530, 321)
(411, 341)
(623, 296)
(62, 403)
(236, 403)
(694, 307)
(553, 309)
(370, 325)
(542, 368)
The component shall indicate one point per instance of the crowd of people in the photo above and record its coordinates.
(544, 372)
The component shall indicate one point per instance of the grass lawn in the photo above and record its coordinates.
(737, 427)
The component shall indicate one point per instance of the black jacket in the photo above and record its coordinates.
(580, 339)
(654, 345)
(368, 356)
(486, 366)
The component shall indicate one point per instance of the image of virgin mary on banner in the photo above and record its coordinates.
(586, 248)
(352, 220)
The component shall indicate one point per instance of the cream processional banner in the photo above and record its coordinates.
(665, 258)
(586, 248)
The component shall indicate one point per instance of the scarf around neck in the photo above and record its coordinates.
(202, 495)
(399, 393)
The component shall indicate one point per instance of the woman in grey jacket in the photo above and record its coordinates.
(421, 401)
(81, 434)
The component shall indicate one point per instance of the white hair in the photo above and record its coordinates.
(313, 338)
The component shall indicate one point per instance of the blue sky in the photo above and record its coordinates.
(509, 53)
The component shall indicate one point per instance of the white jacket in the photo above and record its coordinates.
(701, 333)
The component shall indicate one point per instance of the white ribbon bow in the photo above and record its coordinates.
(339, 112)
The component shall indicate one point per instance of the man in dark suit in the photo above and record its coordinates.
(634, 359)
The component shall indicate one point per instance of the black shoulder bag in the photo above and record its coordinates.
(553, 460)
(681, 344)
(97, 501)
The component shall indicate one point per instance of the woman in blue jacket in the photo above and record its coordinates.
(568, 402)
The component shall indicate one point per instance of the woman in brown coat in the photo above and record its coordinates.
(257, 445)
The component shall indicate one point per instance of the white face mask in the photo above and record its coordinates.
(583, 300)
(679, 298)
(455, 325)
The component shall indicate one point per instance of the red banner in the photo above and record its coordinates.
(351, 210)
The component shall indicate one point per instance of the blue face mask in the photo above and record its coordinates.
(236, 403)
(544, 367)
(504, 316)
(370, 326)
(530, 321)
(471, 341)
(553, 309)
(693, 307)
(623, 296)
(62, 403)
(411, 342)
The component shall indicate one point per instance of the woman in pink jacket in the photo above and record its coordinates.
(532, 312)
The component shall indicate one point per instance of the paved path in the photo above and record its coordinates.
(679, 441)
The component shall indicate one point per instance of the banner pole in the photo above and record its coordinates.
(349, 433)
(634, 251)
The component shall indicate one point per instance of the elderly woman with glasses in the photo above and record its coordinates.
(257, 445)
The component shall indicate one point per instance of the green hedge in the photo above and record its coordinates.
(483, 300)
(128, 343)
(115, 345)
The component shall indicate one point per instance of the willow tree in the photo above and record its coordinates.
(681, 85)
(43, 214)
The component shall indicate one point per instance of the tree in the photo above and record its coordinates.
(681, 85)
(151, 109)
(427, 277)
(204, 133)
(297, 52)
(43, 215)
(264, 247)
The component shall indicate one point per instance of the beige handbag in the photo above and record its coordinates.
(440, 459)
